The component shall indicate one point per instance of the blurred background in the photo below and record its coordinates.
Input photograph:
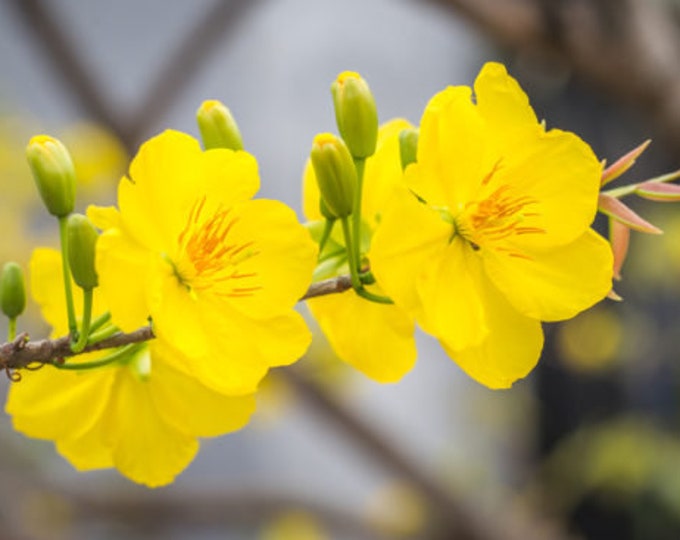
(586, 447)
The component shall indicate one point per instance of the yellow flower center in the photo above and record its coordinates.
(209, 257)
(499, 216)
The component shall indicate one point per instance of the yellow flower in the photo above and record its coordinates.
(497, 236)
(377, 339)
(137, 414)
(217, 272)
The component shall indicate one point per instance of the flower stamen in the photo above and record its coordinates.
(207, 258)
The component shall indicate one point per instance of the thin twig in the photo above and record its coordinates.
(328, 286)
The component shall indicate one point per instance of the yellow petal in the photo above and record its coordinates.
(383, 171)
(178, 317)
(560, 172)
(377, 339)
(310, 194)
(281, 340)
(556, 284)
(243, 349)
(89, 451)
(228, 177)
(279, 270)
(122, 266)
(145, 448)
(510, 350)
(224, 349)
(104, 217)
(47, 288)
(504, 107)
(157, 196)
(231, 363)
(409, 237)
(449, 287)
(454, 150)
(191, 407)
(51, 404)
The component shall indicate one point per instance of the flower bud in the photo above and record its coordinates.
(12, 290)
(408, 146)
(355, 113)
(218, 127)
(82, 238)
(335, 174)
(54, 174)
(325, 212)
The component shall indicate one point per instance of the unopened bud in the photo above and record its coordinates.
(218, 127)
(54, 174)
(408, 146)
(325, 212)
(355, 113)
(12, 290)
(82, 238)
(335, 174)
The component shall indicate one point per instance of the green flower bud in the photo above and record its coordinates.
(335, 174)
(408, 147)
(325, 212)
(355, 113)
(12, 290)
(54, 174)
(218, 127)
(82, 238)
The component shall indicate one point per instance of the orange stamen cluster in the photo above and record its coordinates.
(497, 217)
(204, 243)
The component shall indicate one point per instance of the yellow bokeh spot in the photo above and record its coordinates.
(397, 509)
(591, 341)
(294, 525)
(98, 156)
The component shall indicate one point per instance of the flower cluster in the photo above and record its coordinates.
(475, 226)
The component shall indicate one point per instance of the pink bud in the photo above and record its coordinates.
(622, 164)
(619, 236)
(615, 209)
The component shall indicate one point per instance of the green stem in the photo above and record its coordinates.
(357, 284)
(359, 164)
(325, 235)
(123, 351)
(374, 297)
(617, 193)
(99, 322)
(12, 329)
(351, 254)
(96, 337)
(79, 345)
(66, 271)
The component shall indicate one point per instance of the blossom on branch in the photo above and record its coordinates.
(377, 339)
(491, 233)
(217, 272)
(137, 413)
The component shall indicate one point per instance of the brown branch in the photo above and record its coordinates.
(21, 352)
(328, 286)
